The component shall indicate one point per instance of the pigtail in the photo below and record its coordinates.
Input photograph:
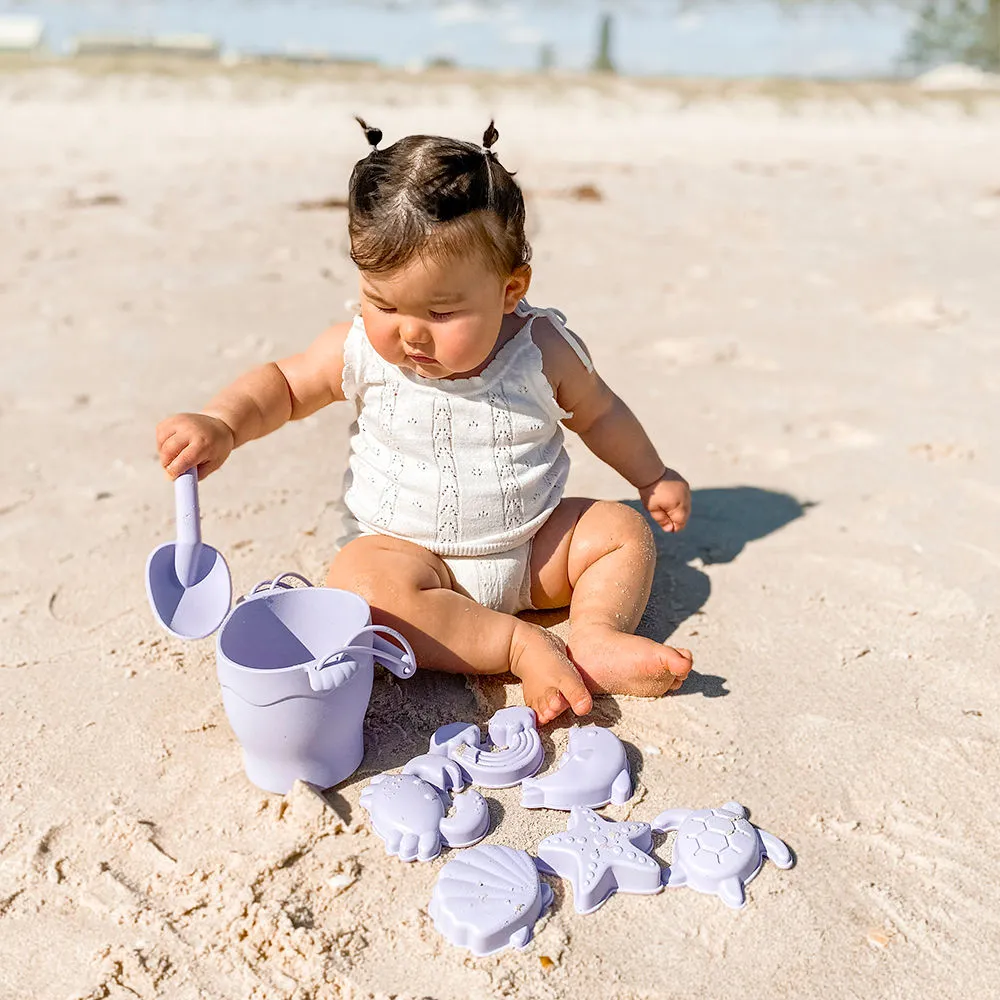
(490, 136)
(372, 134)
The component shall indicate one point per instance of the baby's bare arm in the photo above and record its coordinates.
(264, 398)
(601, 418)
(258, 402)
(613, 432)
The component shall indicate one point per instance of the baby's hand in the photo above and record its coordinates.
(186, 440)
(668, 499)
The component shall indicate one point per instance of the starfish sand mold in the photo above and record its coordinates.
(599, 857)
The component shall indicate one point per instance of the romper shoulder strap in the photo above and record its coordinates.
(356, 361)
(558, 319)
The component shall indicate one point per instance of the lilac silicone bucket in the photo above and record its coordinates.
(296, 668)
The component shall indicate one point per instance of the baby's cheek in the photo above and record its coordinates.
(472, 342)
(386, 345)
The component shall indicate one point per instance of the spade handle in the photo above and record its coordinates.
(188, 545)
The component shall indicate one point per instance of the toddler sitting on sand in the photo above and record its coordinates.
(454, 490)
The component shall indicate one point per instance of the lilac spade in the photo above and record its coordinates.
(187, 581)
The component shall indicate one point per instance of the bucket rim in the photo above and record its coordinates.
(356, 598)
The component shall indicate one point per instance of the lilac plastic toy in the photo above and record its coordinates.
(296, 669)
(719, 850)
(187, 581)
(409, 810)
(600, 857)
(445, 775)
(592, 772)
(488, 898)
(513, 752)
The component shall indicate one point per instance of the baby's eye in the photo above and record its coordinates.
(441, 316)
(384, 309)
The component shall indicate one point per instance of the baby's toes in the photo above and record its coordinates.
(549, 705)
(575, 695)
(679, 661)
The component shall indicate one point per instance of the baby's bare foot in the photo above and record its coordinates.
(551, 683)
(619, 663)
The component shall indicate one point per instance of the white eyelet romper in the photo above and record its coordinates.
(468, 468)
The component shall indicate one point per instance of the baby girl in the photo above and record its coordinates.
(453, 496)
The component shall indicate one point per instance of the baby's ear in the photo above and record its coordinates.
(517, 287)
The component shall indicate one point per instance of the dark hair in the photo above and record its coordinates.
(427, 194)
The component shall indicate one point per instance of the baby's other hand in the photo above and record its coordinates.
(186, 440)
(668, 500)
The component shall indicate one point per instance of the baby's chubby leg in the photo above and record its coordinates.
(410, 589)
(598, 557)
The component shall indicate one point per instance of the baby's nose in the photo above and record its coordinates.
(414, 333)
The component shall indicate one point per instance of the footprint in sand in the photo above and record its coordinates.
(930, 312)
(839, 433)
(936, 451)
(692, 351)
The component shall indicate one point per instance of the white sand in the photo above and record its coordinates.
(799, 299)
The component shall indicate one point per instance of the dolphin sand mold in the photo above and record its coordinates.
(592, 772)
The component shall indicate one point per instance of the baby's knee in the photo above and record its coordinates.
(623, 525)
(380, 572)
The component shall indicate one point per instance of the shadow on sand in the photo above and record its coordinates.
(723, 520)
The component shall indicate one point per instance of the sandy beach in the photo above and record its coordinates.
(796, 291)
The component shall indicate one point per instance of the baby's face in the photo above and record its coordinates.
(440, 319)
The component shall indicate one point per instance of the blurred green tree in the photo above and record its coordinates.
(966, 30)
(602, 61)
(944, 30)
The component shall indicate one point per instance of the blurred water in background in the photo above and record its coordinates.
(650, 37)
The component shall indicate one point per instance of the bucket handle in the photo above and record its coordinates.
(329, 672)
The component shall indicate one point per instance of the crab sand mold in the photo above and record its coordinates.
(409, 811)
